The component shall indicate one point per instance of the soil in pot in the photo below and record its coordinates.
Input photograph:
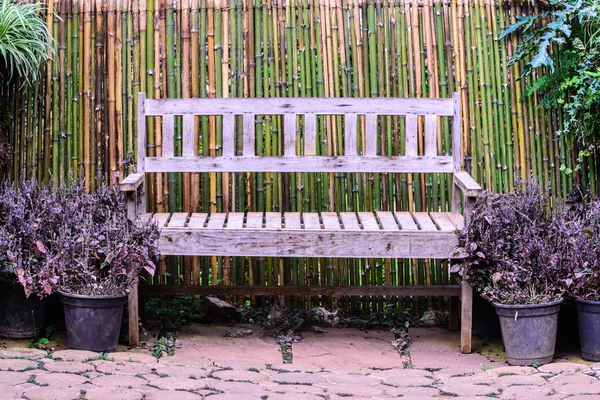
(93, 323)
(588, 313)
(20, 317)
(529, 332)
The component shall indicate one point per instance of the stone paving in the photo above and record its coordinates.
(134, 375)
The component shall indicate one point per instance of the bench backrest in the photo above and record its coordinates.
(290, 108)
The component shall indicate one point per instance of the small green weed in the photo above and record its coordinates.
(447, 394)
(164, 345)
(500, 375)
(101, 357)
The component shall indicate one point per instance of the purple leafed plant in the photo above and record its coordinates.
(98, 251)
(514, 249)
(29, 216)
(64, 238)
(582, 274)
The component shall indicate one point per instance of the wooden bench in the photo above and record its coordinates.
(381, 234)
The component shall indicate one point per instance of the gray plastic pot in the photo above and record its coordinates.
(529, 331)
(588, 314)
(93, 322)
(20, 317)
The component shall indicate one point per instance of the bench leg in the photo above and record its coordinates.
(134, 332)
(466, 322)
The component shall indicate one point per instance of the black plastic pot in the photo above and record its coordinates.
(588, 314)
(529, 331)
(93, 322)
(20, 317)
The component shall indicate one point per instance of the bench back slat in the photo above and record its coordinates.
(168, 135)
(283, 105)
(431, 135)
(350, 133)
(249, 149)
(371, 135)
(300, 141)
(289, 135)
(188, 135)
(228, 135)
(310, 134)
(412, 138)
(396, 164)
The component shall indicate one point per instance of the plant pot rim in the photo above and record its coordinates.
(85, 296)
(521, 306)
(585, 301)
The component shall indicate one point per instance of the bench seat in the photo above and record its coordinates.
(382, 234)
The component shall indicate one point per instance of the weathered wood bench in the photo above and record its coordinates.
(382, 234)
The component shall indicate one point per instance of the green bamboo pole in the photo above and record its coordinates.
(508, 120)
(171, 88)
(56, 100)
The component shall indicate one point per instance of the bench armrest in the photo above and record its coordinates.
(132, 182)
(467, 184)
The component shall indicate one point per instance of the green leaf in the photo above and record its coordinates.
(526, 21)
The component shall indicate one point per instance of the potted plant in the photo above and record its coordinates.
(512, 254)
(582, 276)
(99, 255)
(28, 217)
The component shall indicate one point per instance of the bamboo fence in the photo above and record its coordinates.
(80, 116)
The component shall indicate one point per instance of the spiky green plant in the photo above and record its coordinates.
(24, 39)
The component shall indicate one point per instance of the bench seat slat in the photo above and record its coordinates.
(424, 222)
(457, 219)
(331, 221)
(273, 220)
(254, 220)
(349, 220)
(197, 220)
(443, 222)
(235, 220)
(311, 221)
(178, 220)
(292, 220)
(248, 163)
(407, 222)
(161, 219)
(216, 221)
(368, 221)
(387, 220)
